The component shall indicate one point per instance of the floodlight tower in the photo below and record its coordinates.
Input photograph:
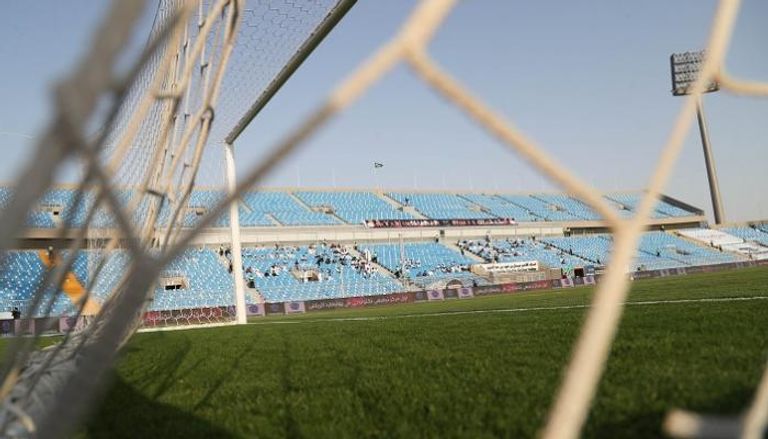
(685, 69)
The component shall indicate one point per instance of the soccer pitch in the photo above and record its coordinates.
(486, 367)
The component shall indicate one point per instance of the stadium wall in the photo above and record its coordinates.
(180, 318)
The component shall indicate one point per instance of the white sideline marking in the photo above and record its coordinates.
(508, 310)
(185, 327)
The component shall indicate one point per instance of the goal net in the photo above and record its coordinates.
(160, 140)
(145, 127)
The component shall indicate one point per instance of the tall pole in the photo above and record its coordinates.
(234, 227)
(684, 68)
(714, 186)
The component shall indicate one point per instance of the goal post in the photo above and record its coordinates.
(324, 27)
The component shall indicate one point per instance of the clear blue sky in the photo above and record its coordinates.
(606, 118)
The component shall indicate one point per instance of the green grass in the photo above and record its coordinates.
(455, 375)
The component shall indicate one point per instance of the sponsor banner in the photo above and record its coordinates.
(450, 293)
(510, 288)
(566, 283)
(435, 295)
(376, 224)
(514, 287)
(578, 281)
(643, 274)
(7, 327)
(22, 327)
(589, 280)
(46, 324)
(355, 302)
(254, 309)
(510, 266)
(420, 296)
(663, 272)
(274, 308)
(465, 293)
(319, 305)
(694, 269)
(67, 324)
(680, 271)
(294, 308)
(487, 289)
(383, 300)
(537, 285)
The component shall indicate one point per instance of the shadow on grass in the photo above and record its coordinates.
(648, 424)
(126, 413)
(224, 376)
(132, 410)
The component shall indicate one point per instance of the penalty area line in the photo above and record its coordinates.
(507, 310)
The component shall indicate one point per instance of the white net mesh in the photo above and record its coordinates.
(122, 222)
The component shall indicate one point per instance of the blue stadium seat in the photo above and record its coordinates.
(353, 207)
(523, 250)
(338, 279)
(22, 273)
(441, 206)
(540, 208)
(753, 234)
(502, 208)
(662, 209)
(424, 263)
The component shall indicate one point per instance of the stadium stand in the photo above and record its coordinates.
(201, 279)
(39, 219)
(283, 208)
(323, 271)
(353, 207)
(540, 208)
(5, 196)
(753, 234)
(750, 242)
(522, 250)
(23, 271)
(502, 208)
(206, 283)
(565, 203)
(727, 242)
(441, 206)
(661, 210)
(657, 250)
(308, 208)
(423, 263)
(711, 237)
(114, 265)
(593, 248)
(688, 253)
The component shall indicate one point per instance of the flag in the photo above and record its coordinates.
(378, 165)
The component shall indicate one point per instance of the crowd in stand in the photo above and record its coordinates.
(443, 268)
(497, 251)
(316, 262)
(491, 250)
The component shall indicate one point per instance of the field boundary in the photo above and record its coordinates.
(509, 310)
